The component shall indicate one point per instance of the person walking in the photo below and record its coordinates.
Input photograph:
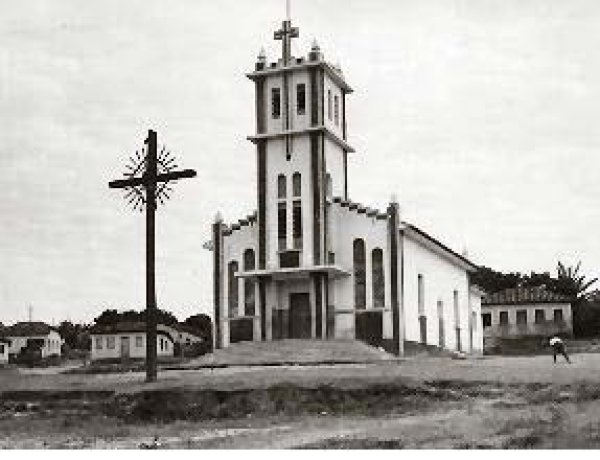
(559, 347)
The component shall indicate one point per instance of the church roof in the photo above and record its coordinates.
(453, 255)
(524, 295)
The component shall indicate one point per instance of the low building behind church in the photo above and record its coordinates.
(311, 262)
(525, 312)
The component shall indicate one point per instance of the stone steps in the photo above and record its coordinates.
(295, 351)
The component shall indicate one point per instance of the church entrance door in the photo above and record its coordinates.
(300, 321)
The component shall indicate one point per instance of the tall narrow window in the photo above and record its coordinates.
(328, 186)
(421, 309)
(281, 186)
(336, 107)
(297, 184)
(276, 102)
(441, 331)
(359, 259)
(249, 289)
(420, 295)
(297, 219)
(457, 321)
(301, 98)
(282, 226)
(233, 289)
(378, 278)
(329, 104)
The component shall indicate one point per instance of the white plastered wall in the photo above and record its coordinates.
(441, 278)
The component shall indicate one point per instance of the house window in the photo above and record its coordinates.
(378, 278)
(249, 290)
(110, 343)
(1, 348)
(281, 186)
(329, 104)
(282, 225)
(486, 319)
(359, 261)
(276, 102)
(297, 229)
(233, 289)
(301, 98)
(540, 317)
(558, 315)
(139, 341)
(98, 343)
(336, 106)
(503, 318)
(161, 344)
(521, 317)
(297, 184)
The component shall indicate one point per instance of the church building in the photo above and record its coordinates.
(310, 263)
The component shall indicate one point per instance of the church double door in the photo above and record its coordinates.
(300, 320)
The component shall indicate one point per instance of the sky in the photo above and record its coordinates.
(479, 115)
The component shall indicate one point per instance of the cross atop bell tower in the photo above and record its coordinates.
(285, 34)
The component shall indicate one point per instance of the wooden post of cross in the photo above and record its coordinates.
(148, 177)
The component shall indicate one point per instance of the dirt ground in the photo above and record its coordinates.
(497, 402)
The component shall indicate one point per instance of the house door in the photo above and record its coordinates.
(124, 347)
(300, 321)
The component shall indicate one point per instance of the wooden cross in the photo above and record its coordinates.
(285, 34)
(149, 180)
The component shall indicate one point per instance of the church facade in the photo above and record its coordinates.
(312, 263)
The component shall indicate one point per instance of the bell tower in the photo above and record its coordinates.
(301, 152)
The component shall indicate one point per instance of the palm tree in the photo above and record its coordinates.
(571, 282)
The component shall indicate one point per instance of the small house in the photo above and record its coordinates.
(33, 335)
(128, 340)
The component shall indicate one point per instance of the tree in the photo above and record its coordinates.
(202, 324)
(570, 282)
(108, 317)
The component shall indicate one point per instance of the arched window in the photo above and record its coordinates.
(249, 290)
(296, 184)
(359, 259)
(281, 186)
(378, 278)
(233, 289)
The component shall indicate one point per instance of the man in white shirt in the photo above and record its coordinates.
(558, 346)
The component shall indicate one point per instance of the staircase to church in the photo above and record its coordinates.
(290, 351)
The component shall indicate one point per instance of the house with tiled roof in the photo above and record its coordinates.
(30, 334)
(526, 311)
(127, 339)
